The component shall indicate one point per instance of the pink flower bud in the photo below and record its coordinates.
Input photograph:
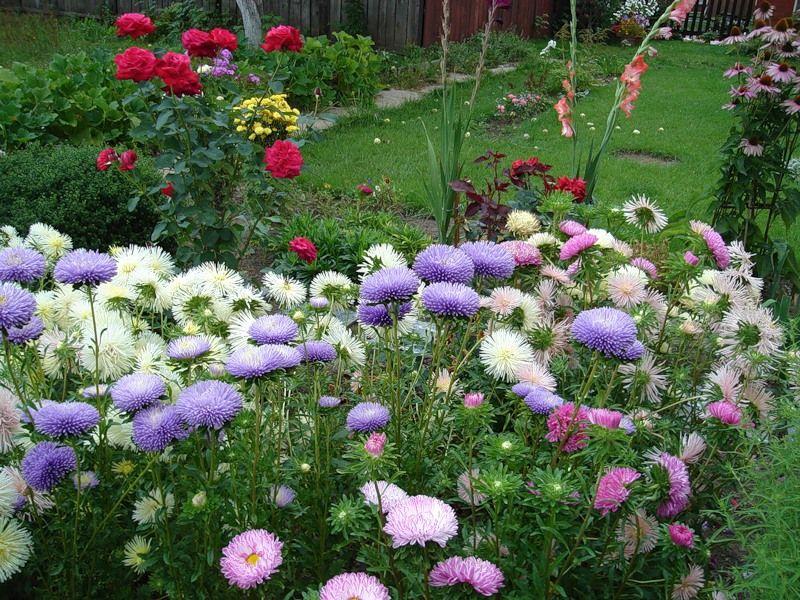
(473, 400)
(374, 445)
(690, 258)
(681, 535)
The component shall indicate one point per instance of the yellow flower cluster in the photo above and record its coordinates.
(269, 116)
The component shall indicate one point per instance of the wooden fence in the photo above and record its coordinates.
(718, 16)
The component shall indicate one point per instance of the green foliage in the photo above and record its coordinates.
(177, 17)
(61, 185)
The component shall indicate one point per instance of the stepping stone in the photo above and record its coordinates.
(393, 98)
(500, 69)
(458, 77)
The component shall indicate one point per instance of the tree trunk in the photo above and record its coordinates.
(251, 21)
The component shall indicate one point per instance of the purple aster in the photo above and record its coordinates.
(135, 391)
(30, 331)
(571, 228)
(451, 299)
(85, 480)
(85, 266)
(575, 245)
(281, 495)
(61, 419)
(251, 558)
(22, 265)
(188, 347)
(716, 245)
(367, 417)
(633, 352)
(250, 362)
(419, 520)
(273, 329)
(608, 330)
(523, 388)
(626, 424)
(524, 253)
(380, 315)
(490, 259)
(46, 464)
(444, 263)
(16, 305)
(209, 403)
(679, 486)
(484, 577)
(645, 265)
(319, 303)
(354, 585)
(156, 427)
(690, 258)
(394, 284)
(541, 401)
(316, 351)
(329, 401)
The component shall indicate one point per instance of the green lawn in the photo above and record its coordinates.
(683, 92)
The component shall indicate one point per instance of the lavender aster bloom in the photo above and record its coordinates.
(16, 306)
(85, 267)
(281, 495)
(30, 331)
(318, 303)
(380, 315)
(575, 245)
(419, 520)
(95, 391)
(251, 558)
(367, 417)
(490, 259)
(394, 284)
(156, 427)
(135, 391)
(444, 263)
(61, 419)
(85, 480)
(256, 361)
(608, 330)
(329, 401)
(541, 401)
(316, 351)
(22, 265)
(451, 299)
(633, 352)
(209, 403)
(273, 329)
(188, 347)
(523, 388)
(46, 464)
(346, 586)
(484, 577)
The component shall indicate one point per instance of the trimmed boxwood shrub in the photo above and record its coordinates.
(61, 186)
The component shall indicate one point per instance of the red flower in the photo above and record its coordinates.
(283, 159)
(283, 37)
(576, 187)
(531, 166)
(224, 39)
(198, 43)
(364, 189)
(135, 25)
(127, 160)
(175, 70)
(304, 248)
(168, 190)
(106, 158)
(136, 64)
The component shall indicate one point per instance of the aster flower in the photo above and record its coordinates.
(273, 329)
(419, 520)
(250, 362)
(382, 315)
(65, 419)
(16, 305)
(543, 239)
(21, 265)
(746, 329)
(504, 352)
(135, 391)
(638, 533)
(135, 553)
(209, 403)
(522, 223)
(48, 241)
(465, 487)
(483, 576)
(566, 426)
(25, 494)
(613, 489)
(188, 347)
(681, 535)
(16, 546)
(389, 494)
(442, 263)
(645, 265)
(116, 350)
(329, 401)
(524, 253)
(606, 330)
(285, 291)
(10, 417)
(85, 480)
(571, 228)
(375, 444)
(645, 376)
(692, 448)
(281, 495)
(450, 299)
(251, 558)
(316, 351)
(627, 286)
(576, 245)
(156, 427)
(379, 256)
(679, 487)
(80, 267)
(605, 418)
(366, 417)
(394, 284)
(724, 411)
(473, 399)
(46, 464)
(490, 259)
(542, 401)
(153, 507)
(335, 287)
(29, 332)
(536, 374)
(689, 585)
(347, 586)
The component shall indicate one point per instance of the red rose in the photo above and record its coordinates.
(135, 25)
(106, 158)
(283, 159)
(127, 160)
(304, 248)
(224, 39)
(364, 189)
(175, 70)
(283, 37)
(198, 43)
(168, 190)
(136, 64)
(576, 187)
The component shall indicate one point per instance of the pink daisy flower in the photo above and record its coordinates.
(679, 486)
(419, 520)
(792, 105)
(251, 558)
(575, 245)
(734, 37)
(566, 425)
(347, 586)
(781, 72)
(571, 228)
(612, 491)
(727, 412)
(742, 91)
(763, 11)
(738, 69)
(484, 577)
(764, 83)
(681, 535)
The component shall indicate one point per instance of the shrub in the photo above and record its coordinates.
(61, 185)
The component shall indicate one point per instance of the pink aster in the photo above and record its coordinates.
(679, 486)
(419, 520)
(347, 586)
(645, 265)
(738, 69)
(524, 253)
(484, 577)
(716, 245)
(725, 411)
(605, 418)
(374, 445)
(571, 228)
(566, 425)
(251, 558)
(575, 245)
(612, 491)
(690, 258)
(681, 535)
